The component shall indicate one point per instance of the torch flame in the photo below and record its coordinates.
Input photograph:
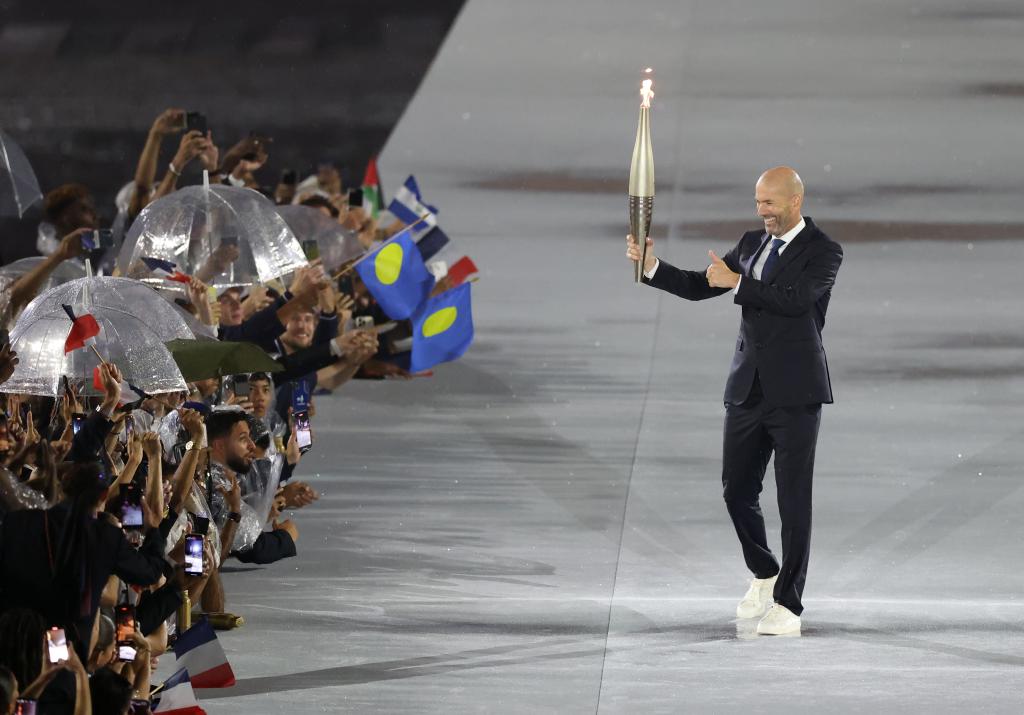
(647, 93)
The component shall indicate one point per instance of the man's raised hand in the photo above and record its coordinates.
(634, 253)
(111, 377)
(720, 275)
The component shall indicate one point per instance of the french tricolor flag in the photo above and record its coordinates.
(408, 206)
(165, 269)
(84, 330)
(177, 697)
(462, 270)
(198, 650)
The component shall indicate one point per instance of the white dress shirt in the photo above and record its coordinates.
(761, 260)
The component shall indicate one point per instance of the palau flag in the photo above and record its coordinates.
(443, 329)
(396, 277)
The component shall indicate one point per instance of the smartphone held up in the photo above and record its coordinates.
(57, 645)
(125, 630)
(194, 554)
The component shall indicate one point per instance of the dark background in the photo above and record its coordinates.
(82, 82)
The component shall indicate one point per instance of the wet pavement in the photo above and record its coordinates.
(539, 527)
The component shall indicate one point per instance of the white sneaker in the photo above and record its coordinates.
(779, 621)
(758, 598)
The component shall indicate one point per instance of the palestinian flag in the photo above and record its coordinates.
(373, 195)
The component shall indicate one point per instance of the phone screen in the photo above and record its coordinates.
(77, 420)
(355, 198)
(24, 706)
(57, 644)
(125, 630)
(194, 555)
(303, 432)
(131, 506)
(241, 386)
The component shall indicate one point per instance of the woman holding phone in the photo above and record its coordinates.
(25, 649)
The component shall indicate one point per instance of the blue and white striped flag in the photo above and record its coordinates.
(408, 206)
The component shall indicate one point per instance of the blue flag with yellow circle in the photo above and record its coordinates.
(442, 329)
(396, 277)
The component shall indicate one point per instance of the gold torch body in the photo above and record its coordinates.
(641, 183)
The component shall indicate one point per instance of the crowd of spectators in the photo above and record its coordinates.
(119, 510)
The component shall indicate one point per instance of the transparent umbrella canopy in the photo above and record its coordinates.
(19, 187)
(336, 244)
(199, 329)
(134, 323)
(66, 271)
(190, 225)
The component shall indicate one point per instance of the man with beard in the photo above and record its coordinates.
(232, 452)
(782, 278)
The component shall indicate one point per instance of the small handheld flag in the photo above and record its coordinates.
(373, 197)
(176, 697)
(199, 650)
(396, 276)
(442, 329)
(165, 269)
(84, 330)
(408, 206)
(461, 270)
(430, 242)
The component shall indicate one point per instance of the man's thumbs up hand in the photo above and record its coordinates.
(719, 275)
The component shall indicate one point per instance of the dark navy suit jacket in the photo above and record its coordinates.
(783, 315)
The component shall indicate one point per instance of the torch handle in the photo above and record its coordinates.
(641, 209)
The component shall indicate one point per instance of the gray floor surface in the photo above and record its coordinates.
(539, 527)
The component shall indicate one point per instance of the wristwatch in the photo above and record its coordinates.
(235, 517)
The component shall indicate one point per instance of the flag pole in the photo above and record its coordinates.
(368, 252)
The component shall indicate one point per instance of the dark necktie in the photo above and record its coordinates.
(773, 258)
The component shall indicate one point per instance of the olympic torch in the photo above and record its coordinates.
(641, 178)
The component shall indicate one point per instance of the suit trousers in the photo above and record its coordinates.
(754, 430)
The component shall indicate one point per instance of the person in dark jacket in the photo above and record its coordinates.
(57, 561)
(782, 278)
(264, 326)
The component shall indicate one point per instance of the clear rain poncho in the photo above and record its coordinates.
(14, 495)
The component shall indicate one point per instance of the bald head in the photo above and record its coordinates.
(785, 179)
(779, 194)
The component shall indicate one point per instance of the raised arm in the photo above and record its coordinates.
(185, 475)
(170, 121)
(26, 287)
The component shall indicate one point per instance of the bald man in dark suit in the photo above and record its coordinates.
(782, 279)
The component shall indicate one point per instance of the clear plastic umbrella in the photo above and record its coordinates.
(134, 323)
(19, 187)
(190, 225)
(64, 272)
(336, 243)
